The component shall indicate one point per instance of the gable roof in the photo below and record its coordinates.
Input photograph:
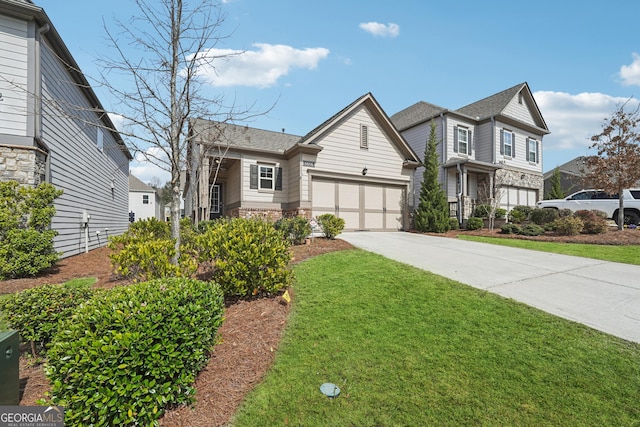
(378, 113)
(136, 185)
(491, 106)
(26, 9)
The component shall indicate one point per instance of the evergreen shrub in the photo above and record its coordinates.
(123, 358)
(474, 223)
(331, 225)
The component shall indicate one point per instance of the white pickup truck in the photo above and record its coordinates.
(601, 201)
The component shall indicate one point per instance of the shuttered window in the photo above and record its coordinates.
(265, 177)
(462, 140)
(507, 143)
(533, 150)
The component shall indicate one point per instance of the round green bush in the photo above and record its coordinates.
(331, 225)
(474, 223)
(500, 213)
(517, 217)
(568, 226)
(482, 211)
(121, 359)
(454, 224)
(542, 216)
(510, 229)
(295, 229)
(531, 230)
(36, 313)
(248, 256)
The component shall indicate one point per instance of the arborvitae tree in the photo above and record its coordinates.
(555, 192)
(432, 214)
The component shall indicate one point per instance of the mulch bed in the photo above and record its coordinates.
(249, 335)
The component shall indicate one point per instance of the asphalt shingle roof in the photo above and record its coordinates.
(491, 105)
(136, 185)
(417, 113)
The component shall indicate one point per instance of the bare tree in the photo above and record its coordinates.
(617, 163)
(173, 41)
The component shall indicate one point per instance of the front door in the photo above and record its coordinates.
(216, 201)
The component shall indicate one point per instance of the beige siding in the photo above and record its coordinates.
(292, 171)
(14, 55)
(233, 184)
(264, 196)
(342, 153)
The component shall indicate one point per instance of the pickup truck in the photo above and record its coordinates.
(601, 201)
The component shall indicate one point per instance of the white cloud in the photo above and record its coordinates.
(382, 30)
(145, 170)
(630, 74)
(257, 68)
(573, 119)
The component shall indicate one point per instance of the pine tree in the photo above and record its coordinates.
(432, 214)
(555, 192)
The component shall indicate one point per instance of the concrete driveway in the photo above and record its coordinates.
(603, 295)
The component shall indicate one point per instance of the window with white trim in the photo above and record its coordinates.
(463, 140)
(364, 136)
(507, 143)
(533, 151)
(266, 178)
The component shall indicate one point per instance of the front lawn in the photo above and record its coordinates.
(410, 348)
(628, 254)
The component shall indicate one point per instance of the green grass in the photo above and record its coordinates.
(617, 253)
(409, 348)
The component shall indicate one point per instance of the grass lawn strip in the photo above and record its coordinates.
(626, 254)
(407, 347)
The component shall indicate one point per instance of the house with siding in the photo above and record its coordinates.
(489, 151)
(53, 129)
(354, 165)
(144, 201)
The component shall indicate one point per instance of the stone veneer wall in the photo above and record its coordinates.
(23, 164)
(515, 178)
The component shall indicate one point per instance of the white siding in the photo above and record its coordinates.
(77, 166)
(142, 210)
(14, 55)
(342, 153)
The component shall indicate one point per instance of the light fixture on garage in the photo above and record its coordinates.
(364, 171)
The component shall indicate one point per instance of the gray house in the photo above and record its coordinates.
(489, 150)
(53, 129)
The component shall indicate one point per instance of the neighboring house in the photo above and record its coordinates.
(53, 129)
(571, 176)
(489, 150)
(355, 165)
(144, 201)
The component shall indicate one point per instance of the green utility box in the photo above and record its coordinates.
(9, 368)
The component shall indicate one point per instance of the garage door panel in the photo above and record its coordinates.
(324, 194)
(348, 195)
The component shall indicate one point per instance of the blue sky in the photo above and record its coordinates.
(580, 59)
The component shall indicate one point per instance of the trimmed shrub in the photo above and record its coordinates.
(500, 213)
(542, 216)
(146, 249)
(26, 242)
(474, 223)
(531, 230)
(248, 256)
(510, 229)
(331, 225)
(123, 358)
(482, 211)
(36, 313)
(594, 221)
(568, 226)
(564, 212)
(517, 217)
(295, 229)
(454, 224)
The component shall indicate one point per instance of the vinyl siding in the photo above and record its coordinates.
(14, 60)
(520, 160)
(292, 171)
(452, 123)
(519, 111)
(417, 138)
(270, 198)
(77, 166)
(484, 143)
(233, 184)
(342, 153)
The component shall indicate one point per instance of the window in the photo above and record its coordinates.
(364, 136)
(533, 151)
(507, 147)
(145, 199)
(100, 139)
(462, 140)
(266, 178)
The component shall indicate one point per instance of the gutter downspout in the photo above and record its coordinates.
(459, 195)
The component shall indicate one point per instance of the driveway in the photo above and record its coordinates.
(602, 295)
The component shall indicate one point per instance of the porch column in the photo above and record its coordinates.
(203, 190)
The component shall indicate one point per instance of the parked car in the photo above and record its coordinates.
(601, 201)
